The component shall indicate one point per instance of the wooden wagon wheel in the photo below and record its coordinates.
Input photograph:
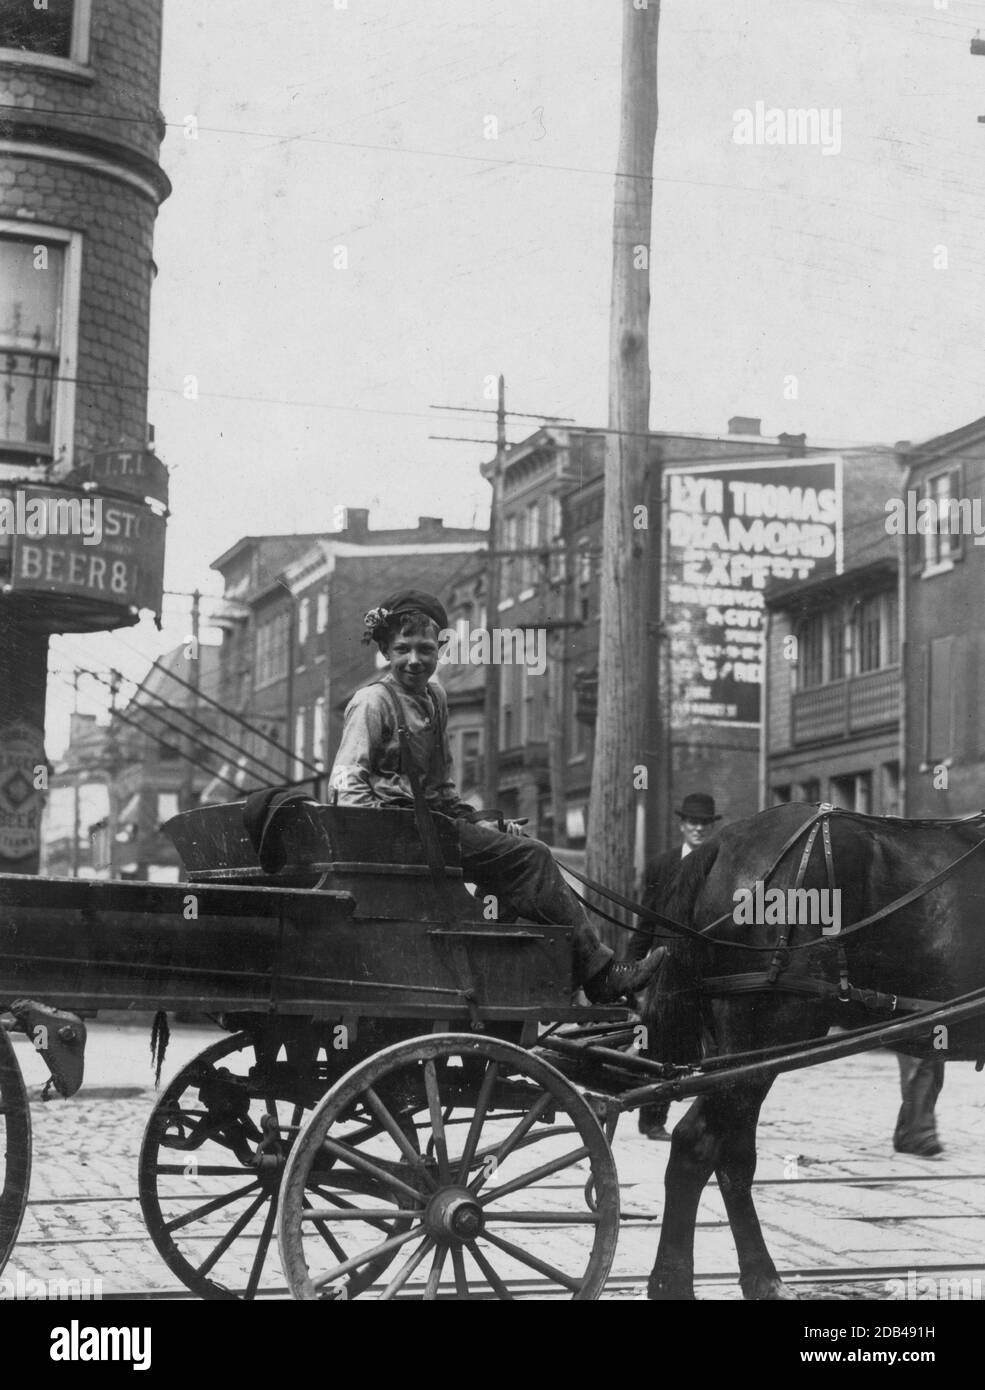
(480, 1197)
(16, 1112)
(211, 1164)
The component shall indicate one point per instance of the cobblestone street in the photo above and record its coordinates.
(820, 1128)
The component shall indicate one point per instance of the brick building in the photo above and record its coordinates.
(465, 683)
(943, 581)
(532, 602)
(831, 720)
(553, 501)
(80, 186)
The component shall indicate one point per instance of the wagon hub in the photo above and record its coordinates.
(454, 1213)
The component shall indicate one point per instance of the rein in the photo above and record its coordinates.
(809, 831)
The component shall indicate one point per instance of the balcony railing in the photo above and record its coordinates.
(847, 707)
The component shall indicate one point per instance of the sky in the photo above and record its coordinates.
(345, 248)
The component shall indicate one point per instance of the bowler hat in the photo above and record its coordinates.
(698, 806)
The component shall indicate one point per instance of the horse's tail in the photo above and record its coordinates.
(670, 1008)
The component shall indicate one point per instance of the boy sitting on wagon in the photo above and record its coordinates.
(369, 770)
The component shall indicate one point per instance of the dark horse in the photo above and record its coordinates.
(933, 948)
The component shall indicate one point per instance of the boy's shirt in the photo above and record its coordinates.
(367, 768)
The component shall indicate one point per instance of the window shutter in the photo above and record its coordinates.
(914, 553)
(940, 735)
(956, 539)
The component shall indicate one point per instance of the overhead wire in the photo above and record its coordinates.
(149, 733)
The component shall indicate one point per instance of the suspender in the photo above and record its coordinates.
(426, 828)
(428, 832)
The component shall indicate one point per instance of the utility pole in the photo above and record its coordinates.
(188, 795)
(494, 472)
(76, 811)
(492, 687)
(113, 766)
(625, 588)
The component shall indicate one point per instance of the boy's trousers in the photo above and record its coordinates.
(524, 878)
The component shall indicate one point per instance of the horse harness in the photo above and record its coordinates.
(772, 980)
(844, 991)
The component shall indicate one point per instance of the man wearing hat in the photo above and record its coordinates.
(697, 818)
(410, 627)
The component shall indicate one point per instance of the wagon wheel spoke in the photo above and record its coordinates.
(207, 1199)
(512, 1140)
(525, 1258)
(357, 1261)
(446, 1119)
(326, 1235)
(461, 1278)
(382, 1223)
(232, 1233)
(398, 1136)
(263, 1245)
(449, 1226)
(437, 1120)
(544, 1218)
(492, 1278)
(534, 1175)
(407, 1269)
(208, 1207)
(366, 1165)
(434, 1277)
(478, 1118)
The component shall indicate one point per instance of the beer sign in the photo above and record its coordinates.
(104, 551)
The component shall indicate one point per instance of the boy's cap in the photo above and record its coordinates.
(416, 600)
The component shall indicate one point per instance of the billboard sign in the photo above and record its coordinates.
(730, 528)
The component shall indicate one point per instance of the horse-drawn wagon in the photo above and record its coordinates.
(404, 1100)
(376, 1087)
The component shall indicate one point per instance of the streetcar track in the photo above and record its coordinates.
(878, 1180)
(543, 1289)
(637, 1219)
(616, 1282)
